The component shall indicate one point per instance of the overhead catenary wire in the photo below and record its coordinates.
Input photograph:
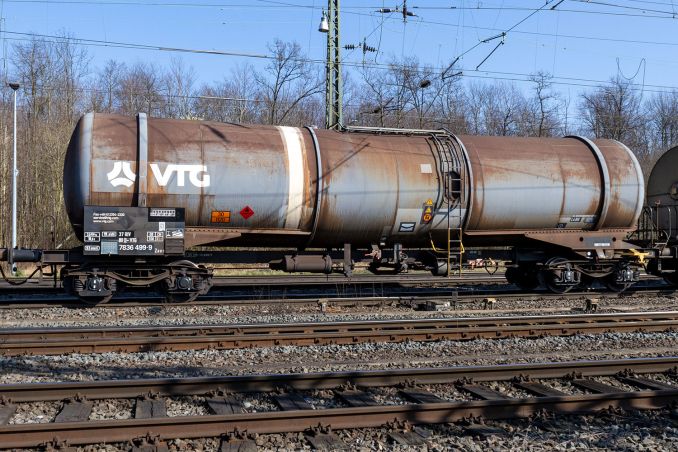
(384, 17)
(501, 35)
(656, 15)
(499, 75)
(199, 97)
(346, 9)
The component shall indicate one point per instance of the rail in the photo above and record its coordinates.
(53, 341)
(357, 408)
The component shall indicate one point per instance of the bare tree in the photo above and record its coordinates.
(543, 106)
(235, 99)
(72, 65)
(504, 107)
(662, 111)
(452, 105)
(178, 84)
(374, 98)
(52, 76)
(614, 111)
(287, 81)
(475, 100)
(35, 68)
(245, 101)
(139, 90)
(102, 90)
(423, 88)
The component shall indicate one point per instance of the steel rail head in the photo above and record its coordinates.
(32, 435)
(143, 339)
(111, 389)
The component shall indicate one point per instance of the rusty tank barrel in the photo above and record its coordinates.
(284, 186)
(662, 194)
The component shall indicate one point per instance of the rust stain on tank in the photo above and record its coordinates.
(518, 181)
(369, 182)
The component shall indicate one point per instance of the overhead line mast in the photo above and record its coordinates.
(333, 86)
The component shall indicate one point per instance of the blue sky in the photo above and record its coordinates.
(580, 42)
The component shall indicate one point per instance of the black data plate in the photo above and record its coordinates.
(132, 231)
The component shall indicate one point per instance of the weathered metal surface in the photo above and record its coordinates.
(324, 188)
(216, 171)
(627, 185)
(535, 183)
(375, 186)
(662, 192)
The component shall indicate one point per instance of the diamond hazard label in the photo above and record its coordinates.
(246, 212)
(427, 214)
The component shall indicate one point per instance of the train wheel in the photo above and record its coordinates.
(523, 276)
(560, 277)
(180, 288)
(671, 278)
(621, 279)
(511, 275)
(615, 286)
(92, 289)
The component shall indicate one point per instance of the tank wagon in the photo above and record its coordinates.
(658, 228)
(140, 192)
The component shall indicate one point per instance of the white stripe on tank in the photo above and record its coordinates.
(294, 143)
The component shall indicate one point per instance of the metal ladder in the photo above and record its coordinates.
(451, 158)
(453, 195)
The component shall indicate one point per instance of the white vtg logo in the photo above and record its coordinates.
(161, 177)
(124, 168)
(181, 170)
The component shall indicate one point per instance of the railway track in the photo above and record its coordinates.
(418, 396)
(339, 296)
(54, 341)
(360, 289)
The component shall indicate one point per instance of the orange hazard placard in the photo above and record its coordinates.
(427, 214)
(220, 216)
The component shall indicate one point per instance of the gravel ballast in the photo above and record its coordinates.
(648, 431)
(172, 315)
(319, 358)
